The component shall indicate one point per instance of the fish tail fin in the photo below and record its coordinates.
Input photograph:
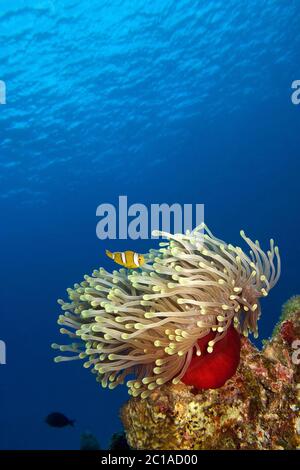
(109, 254)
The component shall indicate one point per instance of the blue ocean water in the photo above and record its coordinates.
(163, 101)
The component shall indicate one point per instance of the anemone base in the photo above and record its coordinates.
(258, 408)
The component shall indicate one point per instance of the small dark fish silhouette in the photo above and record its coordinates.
(58, 420)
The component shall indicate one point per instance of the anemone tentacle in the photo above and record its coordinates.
(147, 324)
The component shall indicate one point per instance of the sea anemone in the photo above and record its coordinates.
(177, 319)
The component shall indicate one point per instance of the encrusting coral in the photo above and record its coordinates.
(258, 408)
(178, 319)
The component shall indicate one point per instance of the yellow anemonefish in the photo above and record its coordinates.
(128, 259)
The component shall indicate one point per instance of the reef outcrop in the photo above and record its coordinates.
(258, 408)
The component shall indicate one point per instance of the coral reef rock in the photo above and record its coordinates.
(88, 441)
(258, 408)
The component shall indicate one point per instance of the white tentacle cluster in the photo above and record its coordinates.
(146, 324)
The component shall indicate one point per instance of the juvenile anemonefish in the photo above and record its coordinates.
(128, 259)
